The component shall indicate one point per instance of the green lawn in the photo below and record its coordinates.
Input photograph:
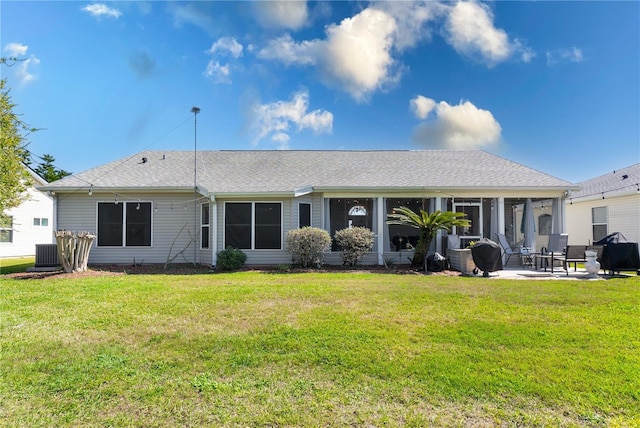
(16, 264)
(261, 349)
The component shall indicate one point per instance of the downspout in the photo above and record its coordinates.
(54, 220)
(214, 226)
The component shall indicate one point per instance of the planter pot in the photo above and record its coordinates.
(591, 264)
(461, 260)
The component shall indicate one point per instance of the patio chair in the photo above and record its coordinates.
(557, 243)
(554, 250)
(502, 239)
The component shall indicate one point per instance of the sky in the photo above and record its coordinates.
(551, 85)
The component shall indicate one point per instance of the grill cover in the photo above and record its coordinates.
(487, 255)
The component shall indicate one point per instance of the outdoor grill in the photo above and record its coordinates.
(487, 255)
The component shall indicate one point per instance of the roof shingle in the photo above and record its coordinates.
(222, 172)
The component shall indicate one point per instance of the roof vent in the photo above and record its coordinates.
(144, 160)
(624, 177)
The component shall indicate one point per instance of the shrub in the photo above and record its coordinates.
(307, 246)
(355, 242)
(230, 259)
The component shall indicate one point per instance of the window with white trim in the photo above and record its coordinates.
(599, 223)
(204, 226)
(6, 230)
(253, 225)
(304, 214)
(124, 224)
(38, 221)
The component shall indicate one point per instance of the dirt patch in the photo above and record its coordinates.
(187, 269)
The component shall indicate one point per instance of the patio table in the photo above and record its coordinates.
(543, 258)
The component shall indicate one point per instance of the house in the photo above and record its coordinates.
(152, 206)
(605, 204)
(29, 224)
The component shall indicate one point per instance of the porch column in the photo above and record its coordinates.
(438, 207)
(500, 208)
(382, 214)
(501, 228)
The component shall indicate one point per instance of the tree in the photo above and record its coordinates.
(47, 170)
(428, 225)
(13, 153)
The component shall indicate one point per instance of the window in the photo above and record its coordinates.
(304, 214)
(6, 230)
(599, 222)
(253, 225)
(204, 227)
(128, 222)
(44, 222)
(544, 224)
(344, 213)
(401, 236)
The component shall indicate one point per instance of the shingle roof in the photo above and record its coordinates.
(222, 172)
(613, 182)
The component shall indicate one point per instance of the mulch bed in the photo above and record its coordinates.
(187, 269)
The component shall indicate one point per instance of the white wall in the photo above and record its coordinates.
(25, 234)
(623, 215)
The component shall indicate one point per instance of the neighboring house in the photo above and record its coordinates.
(145, 207)
(605, 204)
(29, 224)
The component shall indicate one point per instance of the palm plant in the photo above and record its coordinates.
(428, 225)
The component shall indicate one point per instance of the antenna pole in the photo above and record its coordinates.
(195, 111)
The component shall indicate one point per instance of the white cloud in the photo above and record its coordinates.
(360, 55)
(288, 15)
(99, 10)
(16, 49)
(290, 52)
(458, 127)
(23, 69)
(197, 14)
(282, 140)
(223, 47)
(421, 106)
(355, 56)
(226, 45)
(564, 55)
(411, 18)
(358, 52)
(276, 119)
(470, 30)
(217, 72)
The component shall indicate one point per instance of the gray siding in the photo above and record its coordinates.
(78, 212)
(260, 257)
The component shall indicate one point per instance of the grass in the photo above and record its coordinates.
(16, 264)
(257, 349)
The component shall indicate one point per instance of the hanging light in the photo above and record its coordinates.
(91, 190)
(116, 199)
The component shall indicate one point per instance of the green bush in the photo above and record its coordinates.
(230, 259)
(355, 243)
(308, 246)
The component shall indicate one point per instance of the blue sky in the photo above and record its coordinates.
(552, 85)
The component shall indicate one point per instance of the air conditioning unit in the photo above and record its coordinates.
(47, 255)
